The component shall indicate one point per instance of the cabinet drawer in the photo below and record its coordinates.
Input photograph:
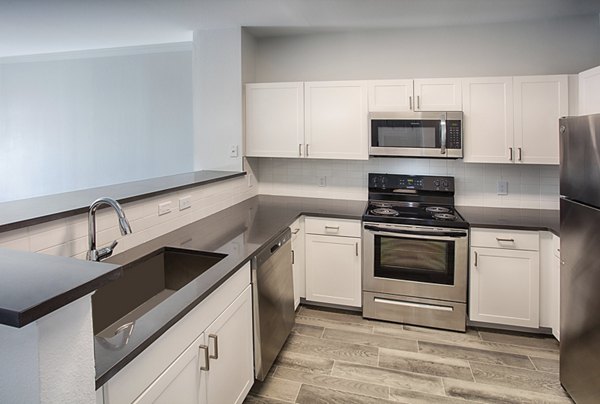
(334, 227)
(511, 239)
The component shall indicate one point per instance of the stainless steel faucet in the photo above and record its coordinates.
(98, 255)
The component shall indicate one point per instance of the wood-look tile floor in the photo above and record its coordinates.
(339, 357)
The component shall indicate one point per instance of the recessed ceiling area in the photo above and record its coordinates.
(43, 26)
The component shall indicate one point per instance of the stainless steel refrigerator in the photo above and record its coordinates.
(580, 257)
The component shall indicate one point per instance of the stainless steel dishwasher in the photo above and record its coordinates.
(273, 298)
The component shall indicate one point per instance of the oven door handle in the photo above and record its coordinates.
(454, 234)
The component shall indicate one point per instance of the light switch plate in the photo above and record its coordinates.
(323, 181)
(233, 151)
(502, 188)
(164, 208)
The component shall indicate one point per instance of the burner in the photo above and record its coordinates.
(385, 212)
(378, 204)
(444, 216)
(437, 209)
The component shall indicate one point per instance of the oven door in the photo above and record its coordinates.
(416, 261)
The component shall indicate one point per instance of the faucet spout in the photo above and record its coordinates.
(96, 255)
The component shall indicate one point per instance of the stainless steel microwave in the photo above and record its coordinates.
(416, 134)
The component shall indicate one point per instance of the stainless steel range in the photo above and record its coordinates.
(415, 252)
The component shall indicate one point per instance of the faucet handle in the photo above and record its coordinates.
(107, 251)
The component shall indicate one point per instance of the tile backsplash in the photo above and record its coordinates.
(529, 186)
(68, 236)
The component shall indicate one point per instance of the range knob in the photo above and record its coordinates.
(436, 183)
(445, 184)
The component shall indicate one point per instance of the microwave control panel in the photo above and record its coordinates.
(453, 134)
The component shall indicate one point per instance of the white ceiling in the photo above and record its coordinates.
(42, 26)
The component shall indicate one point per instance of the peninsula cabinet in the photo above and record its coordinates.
(415, 95)
(504, 277)
(206, 357)
(333, 261)
(513, 119)
(275, 120)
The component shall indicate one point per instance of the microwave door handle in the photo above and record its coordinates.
(443, 134)
(452, 234)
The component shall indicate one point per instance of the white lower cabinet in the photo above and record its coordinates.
(504, 281)
(333, 261)
(206, 357)
(298, 260)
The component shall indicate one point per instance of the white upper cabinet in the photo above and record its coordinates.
(437, 95)
(589, 91)
(415, 95)
(275, 120)
(336, 120)
(488, 119)
(539, 103)
(390, 95)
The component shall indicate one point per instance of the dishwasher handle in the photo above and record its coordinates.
(272, 248)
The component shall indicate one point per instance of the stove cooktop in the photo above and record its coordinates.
(415, 200)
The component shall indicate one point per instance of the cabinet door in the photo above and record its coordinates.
(504, 287)
(333, 269)
(298, 265)
(488, 120)
(438, 95)
(589, 91)
(390, 95)
(336, 120)
(539, 102)
(230, 342)
(182, 382)
(275, 120)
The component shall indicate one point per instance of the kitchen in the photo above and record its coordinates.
(308, 55)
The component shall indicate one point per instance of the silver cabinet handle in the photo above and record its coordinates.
(506, 240)
(295, 231)
(476, 258)
(332, 227)
(520, 154)
(293, 257)
(300, 149)
(306, 154)
(418, 102)
(410, 102)
(511, 154)
(356, 244)
(206, 366)
(215, 338)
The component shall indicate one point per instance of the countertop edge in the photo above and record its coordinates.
(68, 212)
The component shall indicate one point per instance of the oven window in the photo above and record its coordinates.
(420, 260)
(406, 133)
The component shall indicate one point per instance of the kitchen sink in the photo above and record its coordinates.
(146, 283)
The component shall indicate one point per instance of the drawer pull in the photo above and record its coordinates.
(506, 240)
(216, 339)
(337, 228)
(356, 244)
(296, 231)
(476, 256)
(414, 305)
(206, 366)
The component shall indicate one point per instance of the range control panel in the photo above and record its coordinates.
(453, 134)
(390, 182)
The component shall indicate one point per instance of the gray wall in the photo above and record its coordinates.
(92, 118)
(539, 47)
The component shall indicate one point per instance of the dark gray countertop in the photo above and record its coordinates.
(239, 231)
(511, 218)
(27, 212)
(34, 285)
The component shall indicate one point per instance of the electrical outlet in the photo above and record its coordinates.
(164, 208)
(185, 202)
(233, 151)
(323, 181)
(502, 188)
(250, 179)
